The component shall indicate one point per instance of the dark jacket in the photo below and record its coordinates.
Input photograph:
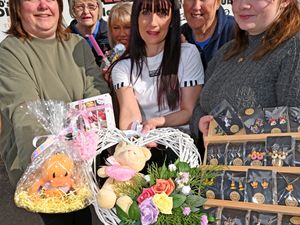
(224, 32)
(100, 36)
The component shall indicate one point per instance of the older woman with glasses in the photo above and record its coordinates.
(208, 26)
(88, 21)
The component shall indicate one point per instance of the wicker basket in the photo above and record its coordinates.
(181, 143)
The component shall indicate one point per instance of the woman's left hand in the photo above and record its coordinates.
(152, 123)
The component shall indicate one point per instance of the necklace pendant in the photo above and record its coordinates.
(291, 201)
(241, 59)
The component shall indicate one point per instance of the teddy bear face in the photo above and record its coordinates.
(132, 156)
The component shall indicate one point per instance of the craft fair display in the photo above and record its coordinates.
(261, 178)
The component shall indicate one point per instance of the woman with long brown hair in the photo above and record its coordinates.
(261, 67)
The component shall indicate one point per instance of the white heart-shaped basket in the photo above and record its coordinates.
(181, 144)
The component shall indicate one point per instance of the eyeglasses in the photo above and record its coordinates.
(89, 6)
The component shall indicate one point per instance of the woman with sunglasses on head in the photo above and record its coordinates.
(158, 80)
(88, 21)
(261, 67)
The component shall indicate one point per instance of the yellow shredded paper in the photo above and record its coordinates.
(72, 201)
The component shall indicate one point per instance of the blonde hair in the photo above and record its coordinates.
(119, 12)
(72, 3)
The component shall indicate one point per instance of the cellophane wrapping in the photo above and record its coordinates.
(58, 180)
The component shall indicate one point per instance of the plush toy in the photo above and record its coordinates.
(126, 162)
(56, 178)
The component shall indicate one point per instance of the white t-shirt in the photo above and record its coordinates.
(190, 73)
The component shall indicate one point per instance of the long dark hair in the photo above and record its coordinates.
(168, 84)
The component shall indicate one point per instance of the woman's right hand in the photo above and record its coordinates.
(204, 124)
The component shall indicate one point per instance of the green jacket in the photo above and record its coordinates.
(39, 69)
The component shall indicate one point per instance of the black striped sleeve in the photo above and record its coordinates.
(118, 85)
(190, 83)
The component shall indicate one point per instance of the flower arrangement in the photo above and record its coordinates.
(167, 195)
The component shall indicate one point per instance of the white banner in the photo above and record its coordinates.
(107, 4)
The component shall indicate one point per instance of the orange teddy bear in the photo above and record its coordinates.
(56, 179)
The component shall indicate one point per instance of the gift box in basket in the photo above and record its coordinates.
(167, 194)
(58, 180)
(98, 109)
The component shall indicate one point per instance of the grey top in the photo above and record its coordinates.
(272, 81)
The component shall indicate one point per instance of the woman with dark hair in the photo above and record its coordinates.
(39, 61)
(158, 81)
(261, 67)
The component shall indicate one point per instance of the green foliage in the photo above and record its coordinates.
(178, 200)
(177, 217)
(211, 219)
(121, 214)
(183, 166)
(132, 188)
(130, 222)
(195, 201)
(199, 179)
(134, 211)
(133, 216)
(200, 176)
(157, 172)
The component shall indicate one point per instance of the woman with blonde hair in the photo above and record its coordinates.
(118, 32)
(119, 24)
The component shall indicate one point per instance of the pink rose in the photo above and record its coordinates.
(147, 193)
(161, 186)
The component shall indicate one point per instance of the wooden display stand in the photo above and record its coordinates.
(241, 136)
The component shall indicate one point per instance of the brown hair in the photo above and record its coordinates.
(16, 29)
(283, 28)
(120, 12)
